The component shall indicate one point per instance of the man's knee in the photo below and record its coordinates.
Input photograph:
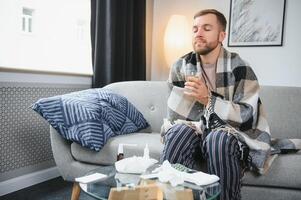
(221, 141)
(179, 130)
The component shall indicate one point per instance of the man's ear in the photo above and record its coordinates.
(222, 36)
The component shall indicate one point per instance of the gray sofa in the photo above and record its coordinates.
(283, 107)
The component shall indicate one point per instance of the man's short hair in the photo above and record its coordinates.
(220, 17)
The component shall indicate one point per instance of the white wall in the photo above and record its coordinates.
(272, 65)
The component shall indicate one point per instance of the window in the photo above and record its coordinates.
(59, 31)
(80, 26)
(27, 18)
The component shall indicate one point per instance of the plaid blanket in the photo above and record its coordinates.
(235, 103)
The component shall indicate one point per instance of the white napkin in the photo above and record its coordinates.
(166, 173)
(134, 165)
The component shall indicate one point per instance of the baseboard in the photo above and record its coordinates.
(27, 180)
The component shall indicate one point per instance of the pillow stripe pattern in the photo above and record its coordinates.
(90, 117)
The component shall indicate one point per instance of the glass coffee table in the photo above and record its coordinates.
(120, 181)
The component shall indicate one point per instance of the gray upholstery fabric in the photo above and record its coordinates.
(267, 193)
(107, 155)
(283, 107)
(285, 172)
(67, 166)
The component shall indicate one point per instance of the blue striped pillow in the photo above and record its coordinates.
(90, 117)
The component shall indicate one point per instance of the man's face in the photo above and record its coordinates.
(207, 34)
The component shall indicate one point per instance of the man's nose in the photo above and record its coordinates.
(199, 33)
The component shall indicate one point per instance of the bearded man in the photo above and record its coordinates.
(224, 95)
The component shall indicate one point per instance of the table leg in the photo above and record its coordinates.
(75, 191)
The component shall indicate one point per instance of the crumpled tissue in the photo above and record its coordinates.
(166, 173)
(134, 165)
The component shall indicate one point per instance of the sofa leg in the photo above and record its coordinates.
(75, 191)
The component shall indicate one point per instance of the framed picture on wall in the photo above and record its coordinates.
(256, 23)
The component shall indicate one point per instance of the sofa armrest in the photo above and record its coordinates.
(68, 167)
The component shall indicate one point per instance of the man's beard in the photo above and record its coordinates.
(206, 49)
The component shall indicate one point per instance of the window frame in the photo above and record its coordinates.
(27, 20)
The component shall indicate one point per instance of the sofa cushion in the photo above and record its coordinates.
(285, 173)
(90, 117)
(267, 193)
(108, 154)
(282, 105)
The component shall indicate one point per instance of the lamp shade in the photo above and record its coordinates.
(177, 38)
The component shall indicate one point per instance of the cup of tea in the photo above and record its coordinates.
(191, 71)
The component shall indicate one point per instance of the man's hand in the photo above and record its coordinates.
(197, 88)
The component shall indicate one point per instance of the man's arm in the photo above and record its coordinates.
(180, 106)
(175, 77)
(240, 111)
